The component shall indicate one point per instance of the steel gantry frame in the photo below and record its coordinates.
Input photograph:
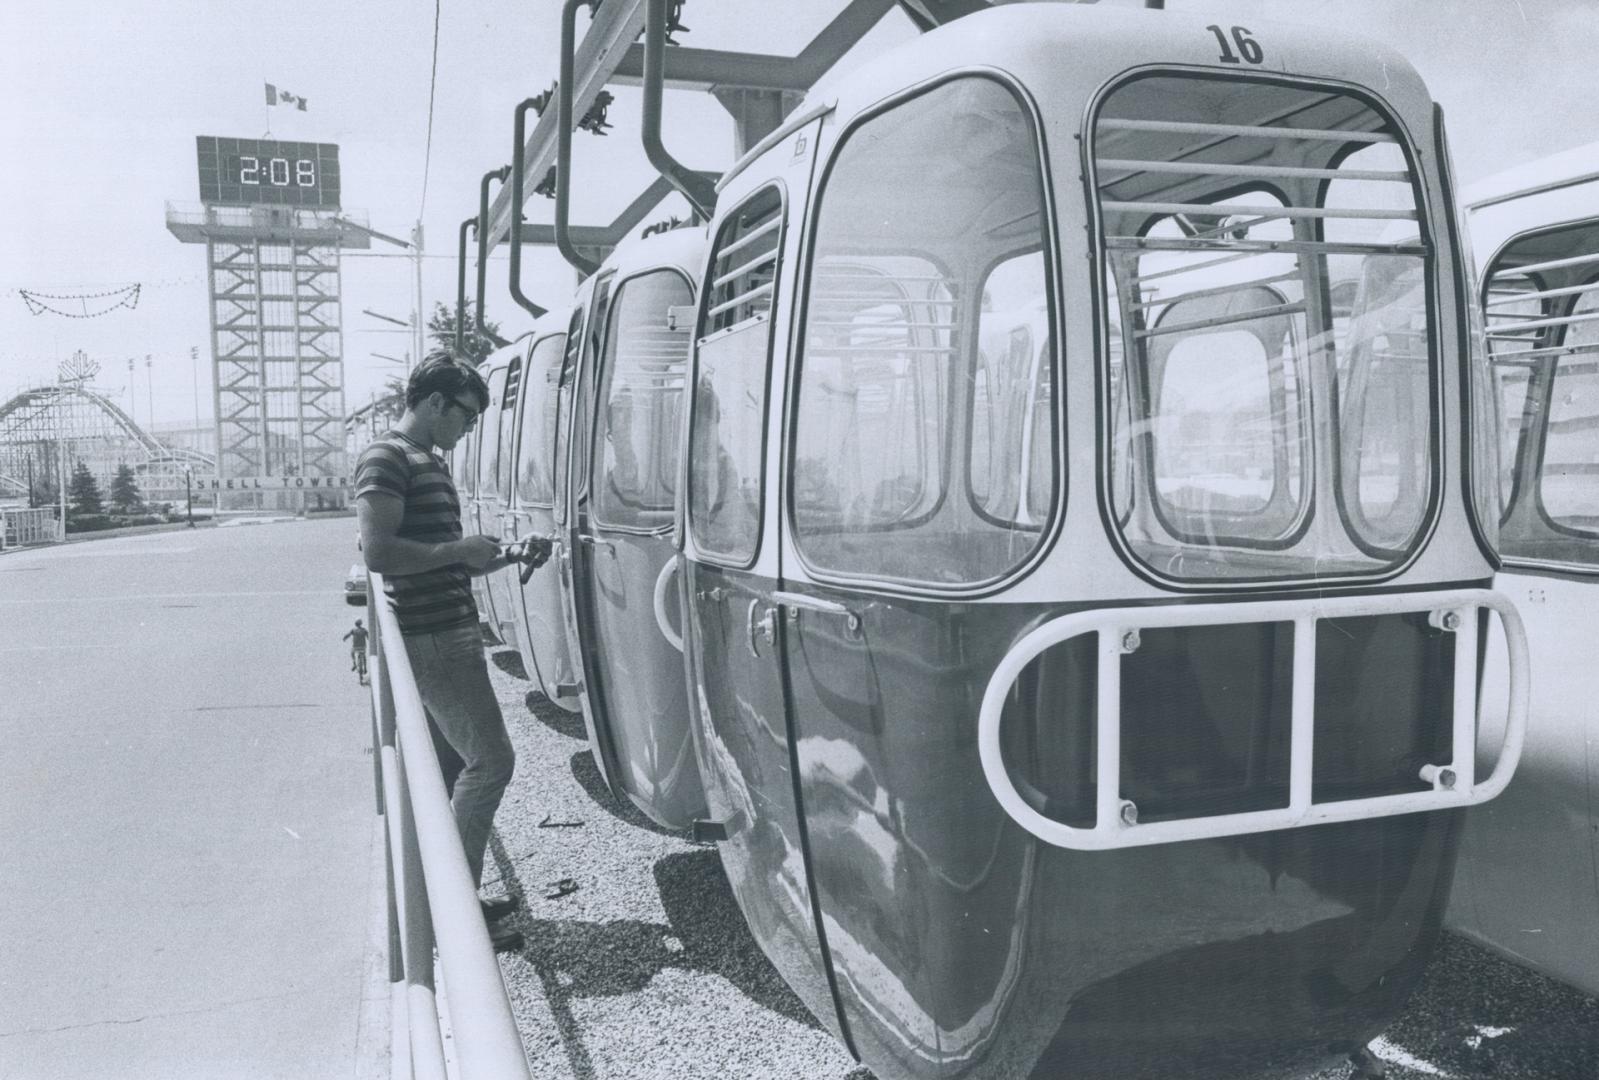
(758, 90)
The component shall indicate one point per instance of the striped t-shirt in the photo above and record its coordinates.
(439, 599)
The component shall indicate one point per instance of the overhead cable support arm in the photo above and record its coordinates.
(483, 247)
(614, 26)
(460, 290)
(700, 193)
(689, 68)
(563, 145)
(600, 239)
(608, 53)
(517, 199)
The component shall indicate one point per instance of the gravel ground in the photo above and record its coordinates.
(647, 970)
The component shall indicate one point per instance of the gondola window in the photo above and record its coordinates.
(732, 356)
(642, 395)
(1273, 382)
(536, 450)
(925, 441)
(1542, 306)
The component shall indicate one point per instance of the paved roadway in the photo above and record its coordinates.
(186, 810)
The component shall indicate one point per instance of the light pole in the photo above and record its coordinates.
(414, 246)
(194, 367)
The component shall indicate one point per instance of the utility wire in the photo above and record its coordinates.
(433, 82)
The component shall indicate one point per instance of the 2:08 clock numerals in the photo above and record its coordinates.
(278, 172)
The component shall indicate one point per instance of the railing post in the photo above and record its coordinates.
(427, 1046)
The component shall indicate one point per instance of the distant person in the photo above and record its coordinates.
(410, 520)
(357, 639)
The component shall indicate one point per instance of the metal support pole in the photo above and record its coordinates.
(700, 192)
(188, 492)
(460, 290)
(421, 316)
(563, 146)
(61, 442)
(483, 240)
(517, 171)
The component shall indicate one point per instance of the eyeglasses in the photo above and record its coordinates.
(469, 411)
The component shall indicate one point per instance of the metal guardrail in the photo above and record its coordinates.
(1452, 784)
(432, 900)
(36, 526)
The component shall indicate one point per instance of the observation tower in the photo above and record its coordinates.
(270, 220)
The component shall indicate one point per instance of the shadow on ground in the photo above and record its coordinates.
(588, 776)
(705, 933)
(510, 662)
(554, 717)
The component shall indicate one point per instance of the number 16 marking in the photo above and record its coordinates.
(1248, 47)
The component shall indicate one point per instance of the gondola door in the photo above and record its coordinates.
(541, 632)
(636, 688)
(732, 635)
(920, 468)
(486, 493)
(572, 497)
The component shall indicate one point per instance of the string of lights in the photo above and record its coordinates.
(39, 303)
(110, 288)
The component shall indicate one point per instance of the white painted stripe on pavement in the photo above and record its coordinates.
(172, 596)
(119, 553)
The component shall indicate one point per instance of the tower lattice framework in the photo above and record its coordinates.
(276, 344)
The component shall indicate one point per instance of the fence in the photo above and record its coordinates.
(19, 527)
(432, 899)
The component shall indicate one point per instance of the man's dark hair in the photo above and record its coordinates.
(442, 375)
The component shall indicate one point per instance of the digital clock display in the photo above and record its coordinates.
(245, 172)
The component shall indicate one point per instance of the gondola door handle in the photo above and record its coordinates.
(766, 626)
(794, 601)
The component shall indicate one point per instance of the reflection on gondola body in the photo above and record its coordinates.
(1527, 885)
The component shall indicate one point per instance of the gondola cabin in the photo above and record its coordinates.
(1083, 566)
(620, 404)
(488, 509)
(526, 509)
(1527, 884)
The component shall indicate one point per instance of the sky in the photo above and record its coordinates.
(103, 104)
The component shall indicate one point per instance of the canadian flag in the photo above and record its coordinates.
(274, 96)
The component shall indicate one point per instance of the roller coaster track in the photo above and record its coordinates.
(36, 420)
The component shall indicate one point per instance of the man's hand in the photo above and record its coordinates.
(532, 553)
(476, 552)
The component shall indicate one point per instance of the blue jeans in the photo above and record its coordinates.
(453, 679)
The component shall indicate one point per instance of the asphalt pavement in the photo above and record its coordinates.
(186, 810)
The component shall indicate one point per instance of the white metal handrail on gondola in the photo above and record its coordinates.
(432, 900)
(661, 620)
(1116, 822)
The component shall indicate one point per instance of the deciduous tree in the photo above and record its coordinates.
(474, 347)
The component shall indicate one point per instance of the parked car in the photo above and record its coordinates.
(355, 584)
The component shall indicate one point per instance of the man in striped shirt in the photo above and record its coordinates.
(411, 533)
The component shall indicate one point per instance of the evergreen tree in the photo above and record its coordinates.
(441, 331)
(83, 492)
(125, 495)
